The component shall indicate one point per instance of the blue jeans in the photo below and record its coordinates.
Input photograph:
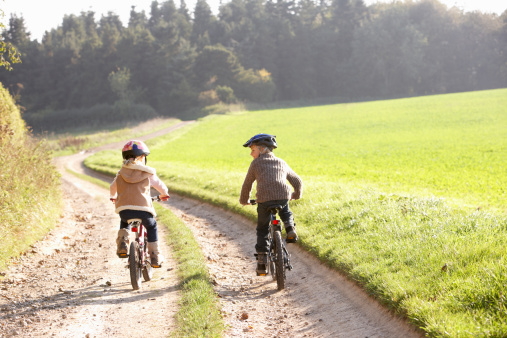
(147, 218)
(263, 218)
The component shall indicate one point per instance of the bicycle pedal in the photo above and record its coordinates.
(122, 255)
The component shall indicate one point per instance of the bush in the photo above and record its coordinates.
(29, 185)
(10, 119)
(255, 86)
(208, 98)
(225, 94)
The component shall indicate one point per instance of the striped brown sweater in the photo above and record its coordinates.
(271, 174)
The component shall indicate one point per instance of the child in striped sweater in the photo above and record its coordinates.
(271, 174)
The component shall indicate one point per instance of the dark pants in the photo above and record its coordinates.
(147, 218)
(263, 218)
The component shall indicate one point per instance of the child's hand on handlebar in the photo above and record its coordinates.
(113, 200)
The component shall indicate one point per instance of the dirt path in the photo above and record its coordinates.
(318, 302)
(74, 285)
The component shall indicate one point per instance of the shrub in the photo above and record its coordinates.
(29, 185)
(208, 98)
(225, 94)
(255, 86)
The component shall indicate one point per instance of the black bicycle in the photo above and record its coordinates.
(278, 256)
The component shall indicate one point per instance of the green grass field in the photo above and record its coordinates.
(405, 196)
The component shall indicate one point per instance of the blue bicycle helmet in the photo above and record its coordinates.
(262, 140)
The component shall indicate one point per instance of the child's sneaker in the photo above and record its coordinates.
(292, 236)
(262, 263)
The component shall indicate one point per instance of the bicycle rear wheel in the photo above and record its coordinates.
(279, 261)
(135, 266)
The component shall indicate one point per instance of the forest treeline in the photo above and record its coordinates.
(172, 61)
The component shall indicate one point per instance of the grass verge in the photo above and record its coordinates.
(199, 313)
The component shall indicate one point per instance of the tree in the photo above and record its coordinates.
(120, 84)
(8, 53)
(388, 54)
(216, 65)
(203, 25)
(23, 79)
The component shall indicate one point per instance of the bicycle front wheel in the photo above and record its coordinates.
(147, 268)
(279, 260)
(135, 266)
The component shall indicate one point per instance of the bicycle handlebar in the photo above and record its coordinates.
(153, 198)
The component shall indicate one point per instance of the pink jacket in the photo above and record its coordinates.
(131, 188)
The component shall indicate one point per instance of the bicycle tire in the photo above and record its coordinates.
(147, 268)
(271, 258)
(272, 266)
(279, 260)
(135, 266)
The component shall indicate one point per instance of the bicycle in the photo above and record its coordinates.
(139, 262)
(278, 256)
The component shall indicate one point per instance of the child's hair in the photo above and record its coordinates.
(135, 160)
(263, 149)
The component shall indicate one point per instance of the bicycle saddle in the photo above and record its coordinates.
(134, 220)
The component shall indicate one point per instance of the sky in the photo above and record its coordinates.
(43, 15)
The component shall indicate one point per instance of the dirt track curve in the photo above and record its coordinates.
(71, 284)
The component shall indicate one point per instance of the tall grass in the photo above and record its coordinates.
(405, 196)
(30, 200)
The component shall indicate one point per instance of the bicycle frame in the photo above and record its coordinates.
(139, 262)
(136, 226)
(274, 226)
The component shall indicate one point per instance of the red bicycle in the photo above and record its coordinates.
(139, 258)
